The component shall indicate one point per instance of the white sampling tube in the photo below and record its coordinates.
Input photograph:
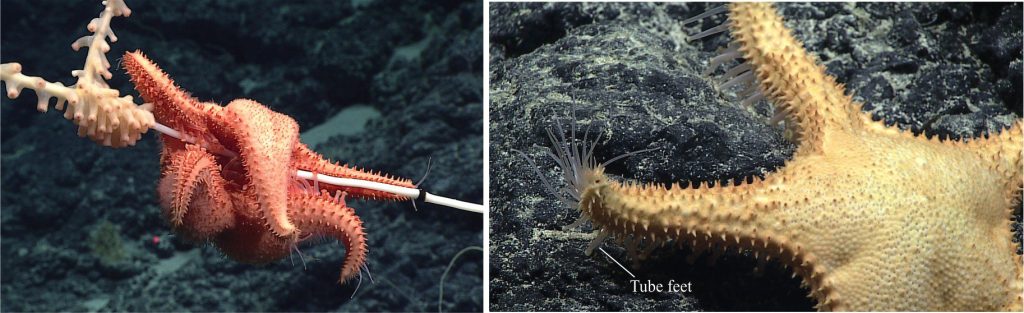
(411, 193)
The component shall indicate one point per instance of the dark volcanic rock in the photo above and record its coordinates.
(417, 64)
(625, 74)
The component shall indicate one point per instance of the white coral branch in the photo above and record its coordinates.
(100, 112)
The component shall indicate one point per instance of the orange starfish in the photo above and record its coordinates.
(233, 183)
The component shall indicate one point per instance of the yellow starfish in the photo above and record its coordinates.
(871, 217)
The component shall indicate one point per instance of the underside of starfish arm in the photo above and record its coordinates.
(251, 242)
(813, 103)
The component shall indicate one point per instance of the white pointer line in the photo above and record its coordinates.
(616, 262)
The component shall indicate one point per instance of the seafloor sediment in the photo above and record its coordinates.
(417, 64)
(628, 72)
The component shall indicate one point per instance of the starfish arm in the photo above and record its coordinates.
(748, 216)
(322, 215)
(308, 160)
(812, 101)
(192, 194)
(172, 106)
(265, 141)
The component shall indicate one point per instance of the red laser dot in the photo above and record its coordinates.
(156, 240)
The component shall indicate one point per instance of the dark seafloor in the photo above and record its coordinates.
(78, 220)
(627, 70)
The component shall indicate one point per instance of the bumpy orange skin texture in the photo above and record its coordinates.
(235, 185)
(871, 217)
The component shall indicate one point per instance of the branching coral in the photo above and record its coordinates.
(100, 112)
